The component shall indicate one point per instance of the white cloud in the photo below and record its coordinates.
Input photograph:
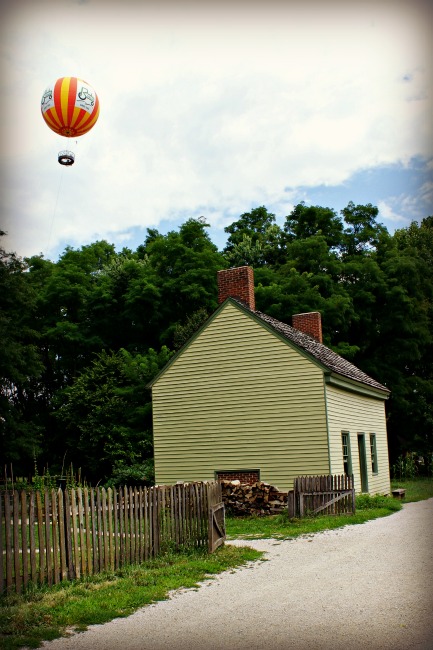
(387, 212)
(426, 193)
(205, 108)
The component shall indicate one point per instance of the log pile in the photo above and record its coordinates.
(242, 499)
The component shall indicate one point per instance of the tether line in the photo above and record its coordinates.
(55, 209)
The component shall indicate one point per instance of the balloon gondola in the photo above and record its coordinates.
(66, 157)
(70, 107)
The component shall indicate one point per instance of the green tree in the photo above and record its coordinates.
(183, 332)
(254, 224)
(106, 416)
(407, 323)
(184, 266)
(65, 296)
(255, 239)
(309, 221)
(362, 233)
(20, 366)
(282, 295)
(125, 304)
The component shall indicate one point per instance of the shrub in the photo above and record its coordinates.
(368, 502)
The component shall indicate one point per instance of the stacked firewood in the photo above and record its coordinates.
(255, 499)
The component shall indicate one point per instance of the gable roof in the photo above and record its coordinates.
(327, 358)
(324, 355)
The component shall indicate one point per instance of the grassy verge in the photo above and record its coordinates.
(47, 613)
(416, 489)
(367, 507)
(281, 527)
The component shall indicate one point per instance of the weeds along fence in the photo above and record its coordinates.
(53, 535)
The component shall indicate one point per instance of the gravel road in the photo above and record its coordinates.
(366, 586)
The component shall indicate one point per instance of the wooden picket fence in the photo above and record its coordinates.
(54, 535)
(328, 495)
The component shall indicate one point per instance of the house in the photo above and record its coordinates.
(252, 398)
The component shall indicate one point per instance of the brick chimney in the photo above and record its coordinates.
(237, 283)
(310, 323)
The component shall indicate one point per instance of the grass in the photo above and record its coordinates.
(50, 612)
(416, 489)
(367, 507)
(281, 527)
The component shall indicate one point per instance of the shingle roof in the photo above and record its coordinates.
(323, 354)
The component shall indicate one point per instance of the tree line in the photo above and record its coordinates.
(82, 337)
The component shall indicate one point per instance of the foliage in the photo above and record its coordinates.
(255, 239)
(67, 478)
(411, 465)
(21, 365)
(106, 416)
(47, 613)
(82, 337)
(369, 502)
(312, 221)
(363, 233)
(182, 333)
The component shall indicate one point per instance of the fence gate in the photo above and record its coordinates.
(330, 495)
(217, 527)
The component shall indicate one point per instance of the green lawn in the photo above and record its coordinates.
(281, 527)
(416, 490)
(46, 612)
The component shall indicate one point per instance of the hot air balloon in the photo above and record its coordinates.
(70, 107)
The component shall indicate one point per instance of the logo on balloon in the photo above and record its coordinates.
(85, 96)
(47, 99)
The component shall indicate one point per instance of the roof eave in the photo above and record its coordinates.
(339, 381)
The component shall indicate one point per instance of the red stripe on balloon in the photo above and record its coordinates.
(72, 95)
(50, 118)
(80, 118)
(84, 125)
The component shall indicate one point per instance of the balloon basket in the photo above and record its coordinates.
(66, 158)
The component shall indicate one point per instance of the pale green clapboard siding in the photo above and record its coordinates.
(239, 398)
(358, 414)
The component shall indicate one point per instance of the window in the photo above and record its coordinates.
(347, 459)
(373, 451)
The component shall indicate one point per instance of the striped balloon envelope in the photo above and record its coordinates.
(70, 107)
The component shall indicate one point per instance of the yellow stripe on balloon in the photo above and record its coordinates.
(64, 99)
(75, 115)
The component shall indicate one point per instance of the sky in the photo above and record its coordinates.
(212, 109)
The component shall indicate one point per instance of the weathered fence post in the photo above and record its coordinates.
(61, 482)
(291, 504)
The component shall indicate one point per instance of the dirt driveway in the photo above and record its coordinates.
(367, 586)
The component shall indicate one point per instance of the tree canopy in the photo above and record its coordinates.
(83, 336)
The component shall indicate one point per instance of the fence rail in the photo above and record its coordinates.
(54, 535)
(329, 495)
